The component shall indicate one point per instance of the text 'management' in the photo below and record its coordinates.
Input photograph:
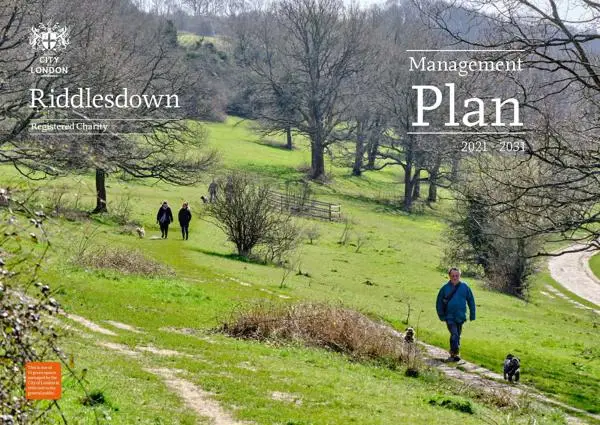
(476, 113)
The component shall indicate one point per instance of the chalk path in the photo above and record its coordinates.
(572, 271)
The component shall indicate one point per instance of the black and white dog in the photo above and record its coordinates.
(409, 336)
(512, 368)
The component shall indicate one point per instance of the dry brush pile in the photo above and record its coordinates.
(327, 326)
(123, 260)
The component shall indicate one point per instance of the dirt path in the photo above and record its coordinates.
(491, 382)
(205, 405)
(572, 271)
(194, 397)
(554, 293)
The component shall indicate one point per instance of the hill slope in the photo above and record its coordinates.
(558, 344)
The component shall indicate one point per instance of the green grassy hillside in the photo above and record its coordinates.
(558, 344)
(190, 40)
(595, 265)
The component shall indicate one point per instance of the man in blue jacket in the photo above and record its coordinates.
(451, 308)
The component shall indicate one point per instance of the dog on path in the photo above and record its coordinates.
(512, 368)
(409, 335)
(140, 232)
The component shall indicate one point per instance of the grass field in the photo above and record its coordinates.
(559, 345)
(190, 40)
(595, 265)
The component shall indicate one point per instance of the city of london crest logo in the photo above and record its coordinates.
(49, 37)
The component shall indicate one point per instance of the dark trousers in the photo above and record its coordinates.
(455, 330)
(185, 230)
(164, 230)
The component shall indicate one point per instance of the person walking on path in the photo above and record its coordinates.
(212, 192)
(164, 217)
(184, 216)
(451, 306)
(229, 189)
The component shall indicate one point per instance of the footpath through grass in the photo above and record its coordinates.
(177, 313)
(395, 275)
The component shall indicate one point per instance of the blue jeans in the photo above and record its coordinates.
(185, 230)
(455, 331)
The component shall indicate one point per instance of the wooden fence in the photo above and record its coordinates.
(299, 205)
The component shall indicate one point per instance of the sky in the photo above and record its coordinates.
(570, 9)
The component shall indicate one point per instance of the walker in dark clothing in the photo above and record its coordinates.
(164, 218)
(185, 216)
(212, 191)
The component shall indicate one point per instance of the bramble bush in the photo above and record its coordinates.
(28, 330)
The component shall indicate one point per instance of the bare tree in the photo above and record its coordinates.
(365, 117)
(276, 110)
(561, 95)
(247, 216)
(16, 58)
(486, 238)
(215, 7)
(113, 45)
(364, 126)
(321, 43)
(399, 146)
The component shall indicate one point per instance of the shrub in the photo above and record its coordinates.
(322, 325)
(94, 398)
(510, 267)
(60, 200)
(312, 233)
(247, 216)
(279, 242)
(123, 260)
(299, 195)
(361, 240)
(122, 208)
(26, 330)
(483, 240)
(345, 236)
(453, 403)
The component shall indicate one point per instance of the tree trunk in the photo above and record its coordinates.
(408, 180)
(432, 196)
(455, 166)
(100, 191)
(359, 155)
(433, 179)
(288, 135)
(417, 185)
(372, 153)
(318, 159)
(244, 251)
(407, 203)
